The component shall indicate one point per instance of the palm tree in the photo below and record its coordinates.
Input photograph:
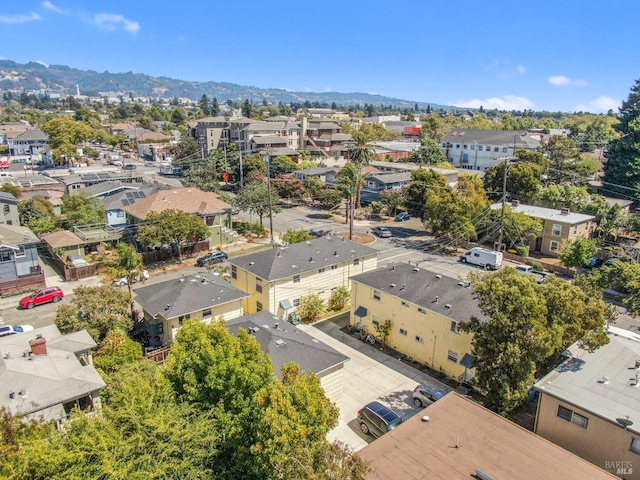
(361, 152)
(351, 179)
(127, 264)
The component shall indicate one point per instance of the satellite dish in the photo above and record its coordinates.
(625, 422)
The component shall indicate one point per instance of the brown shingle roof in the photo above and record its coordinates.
(462, 437)
(63, 238)
(190, 200)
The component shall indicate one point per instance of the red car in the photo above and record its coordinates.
(46, 295)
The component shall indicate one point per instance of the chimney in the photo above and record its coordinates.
(565, 211)
(515, 203)
(38, 345)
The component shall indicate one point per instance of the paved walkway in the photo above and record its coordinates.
(368, 375)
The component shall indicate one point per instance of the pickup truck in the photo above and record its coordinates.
(528, 270)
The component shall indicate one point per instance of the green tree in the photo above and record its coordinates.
(254, 198)
(433, 127)
(523, 180)
(525, 327)
(99, 310)
(79, 209)
(312, 187)
(392, 200)
(172, 227)
(127, 263)
(383, 330)
(288, 187)
(115, 351)
(282, 165)
(329, 199)
(339, 298)
(186, 147)
(422, 181)
(247, 108)
(429, 153)
(578, 252)
(563, 196)
(65, 134)
(361, 152)
(11, 189)
(350, 181)
(622, 277)
(311, 307)
(296, 236)
(215, 107)
(204, 105)
(178, 116)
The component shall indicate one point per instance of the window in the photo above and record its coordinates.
(455, 327)
(206, 312)
(376, 295)
(5, 209)
(473, 147)
(422, 310)
(575, 229)
(496, 149)
(120, 214)
(258, 306)
(504, 149)
(333, 267)
(296, 279)
(403, 332)
(444, 145)
(182, 318)
(9, 222)
(554, 246)
(5, 256)
(321, 270)
(296, 302)
(404, 304)
(375, 319)
(480, 148)
(20, 252)
(419, 339)
(556, 230)
(635, 445)
(234, 272)
(464, 147)
(458, 146)
(573, 417)
(452, 356)
(356, 262)
(259, 285)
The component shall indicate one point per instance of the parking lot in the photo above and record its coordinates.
(368, 375)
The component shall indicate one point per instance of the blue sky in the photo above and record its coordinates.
(546, 55)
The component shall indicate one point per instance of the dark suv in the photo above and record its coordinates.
(211, 257)
(377, 419)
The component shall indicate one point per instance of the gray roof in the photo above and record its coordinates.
(32, 135)
(17, 235)
(99, 177)
(109, 186)
(580, 379)
(503, 138)
(316, 171)
(391, 177)
(548, 213)
(263, 126)
(122, 199)
(47, 380)
(269, 139)
(189, 294)
(297, 258)
(421, 287)
(8, 198)
(288, 344)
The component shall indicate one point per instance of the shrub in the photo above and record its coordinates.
(311, 307)
(536, 265)
(241, 227)
(258, 229)
(339, 298)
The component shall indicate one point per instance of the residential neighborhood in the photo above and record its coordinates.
(202, 279)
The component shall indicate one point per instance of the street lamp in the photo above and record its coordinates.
(475, 162)
(267, 158)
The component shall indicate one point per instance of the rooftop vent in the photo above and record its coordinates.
(280, 342)
(393, 285)
(481, 476)
(604, 380)
(311, 259)
(12, 395)
(276, 325)
(279, 253)
(438, 276)
(637, 364)
(7, 355)
(436, 300)
(393, 267)
(403, 287)
(447, 305)
(167, 307)
(252, 263)
(181, 280)
(335, 253)
(416, 269)
(565, 211)
(308, 242)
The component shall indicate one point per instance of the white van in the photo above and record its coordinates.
(485, 258)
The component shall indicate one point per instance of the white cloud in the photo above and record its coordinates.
(50, 6)
(601, 104)
(327, 89)
(521, 69)
(19, 18)
(508, 102)
(307, 89)
(561, 80)
(42, 63)
(109, 21)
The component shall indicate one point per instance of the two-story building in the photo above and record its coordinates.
(590, 404)
(32, 142)
(425, 310)
(558, 226)
(19, 261)
(44, 375)
(474, 149)
(9, 208)
(277, 278)
(166, 305)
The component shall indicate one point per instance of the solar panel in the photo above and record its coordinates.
(126, 202)
(104, 175)
(129, 195)
(90, 176)
(139, 194)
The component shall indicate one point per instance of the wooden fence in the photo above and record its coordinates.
(75, 273)
(158, 356)
(165, 254)
(550, 267)
(32, 280)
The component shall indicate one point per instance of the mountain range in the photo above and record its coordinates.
(35, 76)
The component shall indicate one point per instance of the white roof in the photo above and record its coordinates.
(548, 213)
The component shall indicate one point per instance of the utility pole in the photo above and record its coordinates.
(267, 159)
(240, 149)
(504, 192)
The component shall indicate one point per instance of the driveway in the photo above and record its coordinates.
(368, 375)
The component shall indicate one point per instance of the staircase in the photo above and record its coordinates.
(312, 141)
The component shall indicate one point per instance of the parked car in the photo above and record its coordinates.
(424, 395)
(482, 257)
(7, 330)
(382, 232)
(129, 166)
(403, 217)
(595, 262)
(45, 295)
(376, 419)
(122, 281)
(76, 260)
(211, 257)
